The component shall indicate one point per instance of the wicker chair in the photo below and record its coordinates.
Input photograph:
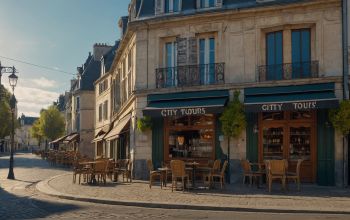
(220, 174)
(100, 170)
(79, 169)
(125, 168)
(154, 173)
(178, 171)
(248, 172)
(276, 169)
(215, 169)
(295, 176)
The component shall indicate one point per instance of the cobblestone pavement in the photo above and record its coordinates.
(19, 199)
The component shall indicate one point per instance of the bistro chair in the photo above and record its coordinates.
(276, 169)
(154, 173)
(248, 172)
(101, 169)
(178, 171)
(220, 174)
(215, 168)
(80, 169)
(295, 175)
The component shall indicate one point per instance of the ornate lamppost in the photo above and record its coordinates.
(13, 82)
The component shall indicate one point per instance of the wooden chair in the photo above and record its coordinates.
(248, 172)
(215, 169)
(100, 170)
(125, 168)
(154, 173)
(276, 169)
(79, 169)
(295, 175)
(178, 171)
(220, 174)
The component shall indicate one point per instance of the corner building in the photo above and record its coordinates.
(179, 62)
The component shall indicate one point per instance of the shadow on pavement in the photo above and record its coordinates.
(15, 207)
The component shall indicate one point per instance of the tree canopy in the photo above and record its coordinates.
(233, 118)
(5, 113)
(50, 125)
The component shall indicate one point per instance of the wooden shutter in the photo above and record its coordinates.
(192, 51)
(219, 3)
(159, 7)
(181, 51)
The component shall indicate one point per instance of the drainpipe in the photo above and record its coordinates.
(345, 83)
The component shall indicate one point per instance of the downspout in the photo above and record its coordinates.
(345, 83)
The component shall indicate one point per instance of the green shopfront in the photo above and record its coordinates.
(291, 122)
(185, 125)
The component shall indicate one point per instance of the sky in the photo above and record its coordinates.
(58, 34)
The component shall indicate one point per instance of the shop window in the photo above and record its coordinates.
(99, 151)
(269, 116)
(191, 137)
(273, 143)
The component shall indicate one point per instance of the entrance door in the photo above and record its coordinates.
(291, 136)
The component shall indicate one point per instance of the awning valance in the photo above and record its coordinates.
(101, 134)
(118, 128)
(73, 137)
(289, 98)
(186, 103)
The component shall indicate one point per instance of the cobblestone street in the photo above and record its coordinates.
(19, 199)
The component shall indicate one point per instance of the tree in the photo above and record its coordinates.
(233, 122)
(51, 123)
(5, 114)
(340, 117)
(36, 132)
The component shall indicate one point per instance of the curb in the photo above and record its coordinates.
(45, 188)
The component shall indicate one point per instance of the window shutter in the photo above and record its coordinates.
(192, 51)
(159, 7)
(219, 3)
(181, 51)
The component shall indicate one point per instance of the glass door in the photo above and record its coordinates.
(300, 142)
(273, 142)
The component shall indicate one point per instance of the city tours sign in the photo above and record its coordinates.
(187, 111)
(291, 106)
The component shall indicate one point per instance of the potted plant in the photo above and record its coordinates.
(233, 123)
(144, 123)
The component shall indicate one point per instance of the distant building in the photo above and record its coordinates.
(80, 103)
(23, 138)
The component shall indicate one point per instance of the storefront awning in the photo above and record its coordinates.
(186, 103)
(118, 128)
(101, 134)
(73, 137)
(58, 140)
(289, 98)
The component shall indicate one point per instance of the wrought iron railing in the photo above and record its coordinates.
(190, 75)
(286, 71)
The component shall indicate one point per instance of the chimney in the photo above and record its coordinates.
(123, 25)
(100, 50)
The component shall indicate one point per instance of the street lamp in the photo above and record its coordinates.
(13, 82)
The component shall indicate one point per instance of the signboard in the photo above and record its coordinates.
(291, 106)
(191, 111)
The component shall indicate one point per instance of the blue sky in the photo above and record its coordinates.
(54, 33)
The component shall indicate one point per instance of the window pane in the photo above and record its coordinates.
(176, 5)
(211, 3)
(167, 6)
(211, 60)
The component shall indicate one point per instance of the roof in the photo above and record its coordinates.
(109, 56)
(28, 120)
(146, 8)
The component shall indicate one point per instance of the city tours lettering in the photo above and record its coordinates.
(293, 105)
(182, 112)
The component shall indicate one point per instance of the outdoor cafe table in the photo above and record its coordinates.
(91, 165)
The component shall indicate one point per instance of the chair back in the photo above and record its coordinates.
(300, 161)
(277, 167)
(246, 166)
(224, 168)
(177, 168)
(101, 166)
(216, 165)
(150, 165)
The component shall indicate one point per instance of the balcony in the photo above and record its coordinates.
(287, 71)
(190, 75)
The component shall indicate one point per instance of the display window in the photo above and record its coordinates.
(190, 137)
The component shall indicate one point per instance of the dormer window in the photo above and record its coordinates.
(171, 6)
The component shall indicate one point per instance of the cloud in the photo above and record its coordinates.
(44, 82)
(31, 100)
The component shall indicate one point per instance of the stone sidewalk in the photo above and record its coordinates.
(235, 197)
